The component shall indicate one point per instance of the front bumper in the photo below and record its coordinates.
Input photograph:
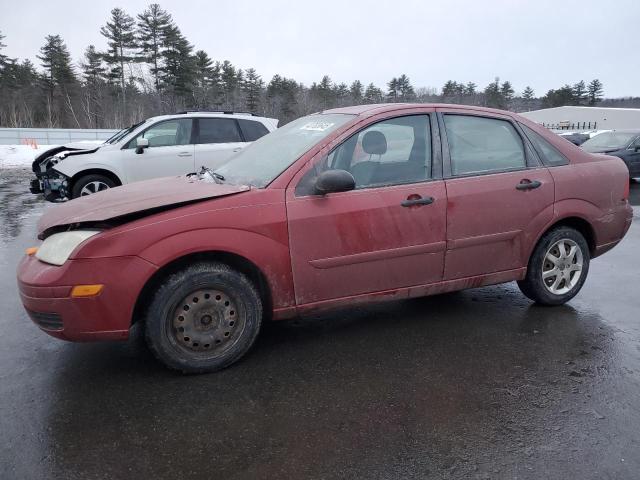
(53, 184)
(45, 291)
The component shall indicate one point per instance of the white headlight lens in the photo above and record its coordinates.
(57, 248)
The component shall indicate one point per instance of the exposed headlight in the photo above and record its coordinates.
(57, 248)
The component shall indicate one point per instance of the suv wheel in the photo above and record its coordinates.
(90, 184)
(203, 318)
(557, 268)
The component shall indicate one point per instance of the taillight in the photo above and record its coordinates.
(625, 196)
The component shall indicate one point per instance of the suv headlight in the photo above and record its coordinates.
(57, 248)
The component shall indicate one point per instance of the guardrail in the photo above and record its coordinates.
(571, 126)
(51, 136)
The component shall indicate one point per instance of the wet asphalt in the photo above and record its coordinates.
(474, 384)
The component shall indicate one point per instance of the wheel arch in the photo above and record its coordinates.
(94, 171)
(235, 261)
(577, 223)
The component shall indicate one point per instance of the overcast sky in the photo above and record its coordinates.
(539, 43)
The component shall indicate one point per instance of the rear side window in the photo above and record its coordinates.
(480, 145)
(252, 130)
(550, 155)
(218, 130)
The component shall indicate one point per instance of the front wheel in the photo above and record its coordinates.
(90, 184)
(557, 268)
(203, 318)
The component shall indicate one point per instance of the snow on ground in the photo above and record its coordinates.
(15, 156)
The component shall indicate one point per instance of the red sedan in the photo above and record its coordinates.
(350, 205)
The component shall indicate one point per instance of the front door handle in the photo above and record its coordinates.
(416, 200)
(184, 154)
(527, 184)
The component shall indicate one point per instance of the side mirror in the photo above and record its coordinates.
(637, 148)
(141, 144)
(332, 181)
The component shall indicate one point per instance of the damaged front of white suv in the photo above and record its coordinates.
(49, 180)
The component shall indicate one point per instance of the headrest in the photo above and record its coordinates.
(374, 143)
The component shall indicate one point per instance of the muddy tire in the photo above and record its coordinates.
(203, 318)
(557, 268)
(90, 184)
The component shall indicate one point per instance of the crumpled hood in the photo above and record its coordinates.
(136, 197)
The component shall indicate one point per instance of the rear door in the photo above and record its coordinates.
(499, 195)
(170, 151)
(386, 234)
(216, 140)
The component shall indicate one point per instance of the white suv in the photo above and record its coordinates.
(158, 147)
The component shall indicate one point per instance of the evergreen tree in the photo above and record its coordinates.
(559, 97)
(252, 88)
(325, 92)
(579, 93)
(3, 58)
(58, 78)
(373, 94)
(405, 89)
(470, 89)
(393, 89)
(121, 41)
(595, 91)
(493, 95)
(506, 94)
(93, 75)
(178, 72)
(528, 93)
(357, 91)
(153, 25)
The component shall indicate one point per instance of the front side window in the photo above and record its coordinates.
(390, 152)
(480, 145)
(548, 151)
(218, 130)
(166, 134)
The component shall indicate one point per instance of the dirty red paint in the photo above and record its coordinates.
(317, 252)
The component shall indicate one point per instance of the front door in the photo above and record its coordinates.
(499, 198)
(386, 234)
(170, 151)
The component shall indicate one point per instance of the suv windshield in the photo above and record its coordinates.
(266, 158)
(608, 140)
(122, 133)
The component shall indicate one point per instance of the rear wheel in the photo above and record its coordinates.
(90, 184)
(557, 268)
(204, 318)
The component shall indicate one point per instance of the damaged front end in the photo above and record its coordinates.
(49, 181)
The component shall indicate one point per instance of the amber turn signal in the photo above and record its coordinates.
(31, 251)
(86, 290)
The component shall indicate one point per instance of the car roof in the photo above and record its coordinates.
(248, 116)
(389, 107)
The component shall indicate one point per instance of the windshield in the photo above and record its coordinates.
(608, 140)
(266, 158)
(122, 133)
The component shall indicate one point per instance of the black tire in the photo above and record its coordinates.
(181, 339)
(534, 287)
(88, 180)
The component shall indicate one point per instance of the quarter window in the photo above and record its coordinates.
(252, 130)
(218, 130)
(479, 145)
(166, 134)
(544, 148)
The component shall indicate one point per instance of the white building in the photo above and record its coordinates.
(586, 118)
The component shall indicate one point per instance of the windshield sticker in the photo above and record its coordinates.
(317, 126)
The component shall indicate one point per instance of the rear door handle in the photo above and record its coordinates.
(184, 154)
(411, 202)
(527, 184)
